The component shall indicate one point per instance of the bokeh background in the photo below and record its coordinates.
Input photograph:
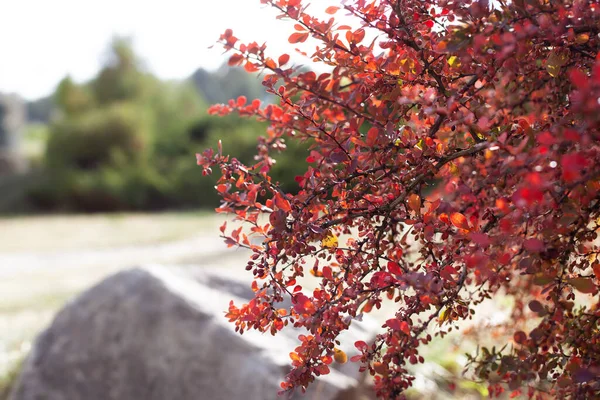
(104, 104)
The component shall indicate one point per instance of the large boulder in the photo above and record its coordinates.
(151, 334)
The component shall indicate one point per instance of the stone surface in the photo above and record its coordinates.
(151, 334)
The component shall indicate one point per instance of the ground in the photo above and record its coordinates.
(45, 261)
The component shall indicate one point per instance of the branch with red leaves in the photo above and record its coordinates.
(454, 157)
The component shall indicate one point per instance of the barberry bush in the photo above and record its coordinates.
(454, 157)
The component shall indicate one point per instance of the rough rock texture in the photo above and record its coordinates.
(148, 334)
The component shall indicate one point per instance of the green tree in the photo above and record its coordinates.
(122, 78)
(72, 99)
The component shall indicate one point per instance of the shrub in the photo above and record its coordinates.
(91, 140)
(498, 102)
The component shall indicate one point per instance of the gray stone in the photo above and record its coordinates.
(150, 334)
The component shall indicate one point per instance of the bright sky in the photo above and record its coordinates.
(42, 41)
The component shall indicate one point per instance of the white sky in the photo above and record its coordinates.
(41, 41)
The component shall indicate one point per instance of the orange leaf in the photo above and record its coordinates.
(339, 356)
(250, 67)
(358, 35)
(283, 59)
(460, 221)
(405, 328)
(270, 63)
(444, 218)
(298, 37)
(414, 202)
(281, 203)
(331, 10)
(235, 60)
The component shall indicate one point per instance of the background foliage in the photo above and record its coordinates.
(126, 140)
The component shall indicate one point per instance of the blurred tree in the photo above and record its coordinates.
(90, 141)
(71, 98)
(126, 140)
(122, 78)
(227, 83)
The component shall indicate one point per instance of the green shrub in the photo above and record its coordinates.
(127, 141)
(111, 188)
(91, 140)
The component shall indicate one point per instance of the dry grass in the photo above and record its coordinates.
(73, 232)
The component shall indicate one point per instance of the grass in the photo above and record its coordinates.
(9, 378)
(74, 232)
(35, 138)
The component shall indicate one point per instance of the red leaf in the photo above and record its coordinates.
(358, 35)
(393, 323)
(327, 273)
(404, 327)
(398, 325)
(460, 221)
(241, 101)
(250, 67)
(429, 24)
(578, 78)
(283, 59)
(447, 272)
(372, 136)
(331, 10)
(480, 239)
(572, 166)
(322, 369)
(298, 37)
(534, 245)
(281, 203)
(361, 346)
(235, 59)
(394, 268)
(301, 303)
